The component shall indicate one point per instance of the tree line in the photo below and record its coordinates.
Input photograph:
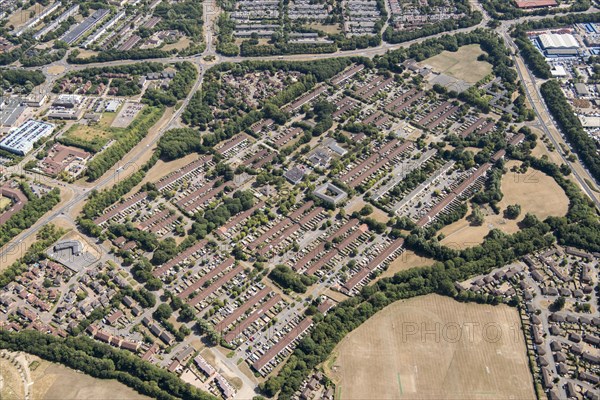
(22, 79)
(103, 361)
(583, 144)
(33, 210)
(124, 143)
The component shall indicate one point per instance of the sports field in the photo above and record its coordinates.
(461, 64)
(433, 347)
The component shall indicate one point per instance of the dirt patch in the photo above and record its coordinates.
(470, 351)
(461, 64)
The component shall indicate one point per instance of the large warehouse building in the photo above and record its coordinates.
(21, 140)
(559, 44)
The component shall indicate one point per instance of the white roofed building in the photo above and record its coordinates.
(559, 44)
(21, 140)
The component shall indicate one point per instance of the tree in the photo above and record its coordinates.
(477, 218)
(163, 312)
(366, 210)
(186, 313)
(558, 304)
(512, 211)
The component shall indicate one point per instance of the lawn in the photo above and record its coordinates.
(181, 44)
(91, 138)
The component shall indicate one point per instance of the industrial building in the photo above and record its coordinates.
(21, 140)
(558, 44)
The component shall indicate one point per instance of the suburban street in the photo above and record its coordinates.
(292, 190)
(144, 149)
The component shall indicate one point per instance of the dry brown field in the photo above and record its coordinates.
(88, 133)
(21, 16)
(407, 260)
(472, 351)
(56, 69)
(11, 382)
(84, 53)
(53, 381)
(536, 192)
(181, 44)
(377, 214)
(461, 64)
(327, 28)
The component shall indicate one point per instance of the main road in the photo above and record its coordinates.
(546, 122)
(126, 167)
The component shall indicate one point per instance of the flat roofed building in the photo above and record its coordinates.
(330, 193)
(85, 26)
(21, 140)
(525, 4)
(557, 44)
(558, 71)
(73, 245)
